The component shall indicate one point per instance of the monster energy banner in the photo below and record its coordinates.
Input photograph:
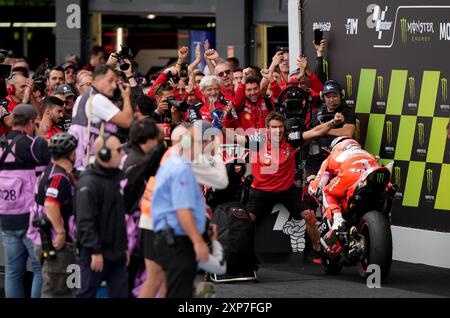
(392, 58)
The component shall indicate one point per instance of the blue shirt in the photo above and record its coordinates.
(176, 189)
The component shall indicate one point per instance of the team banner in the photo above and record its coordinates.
(392, 57)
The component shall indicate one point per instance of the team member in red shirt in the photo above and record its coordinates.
(53, 114)
(273, 169)
(255, 109)
(19, 91)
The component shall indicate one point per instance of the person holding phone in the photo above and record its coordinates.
(320, 45)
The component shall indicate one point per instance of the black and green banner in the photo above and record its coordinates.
(392, 58)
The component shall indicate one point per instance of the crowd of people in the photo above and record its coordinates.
(113, 168)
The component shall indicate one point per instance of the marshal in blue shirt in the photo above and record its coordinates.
(176, 189)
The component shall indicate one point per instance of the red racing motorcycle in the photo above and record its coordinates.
(368, 238)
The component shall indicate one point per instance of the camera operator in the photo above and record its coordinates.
(273, 168)
(334, 103)
(18, 170)
(53, 202)
(100, 219)
(94, 110)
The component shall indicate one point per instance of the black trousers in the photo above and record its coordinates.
(114, 273)
(261, 202)
(179, 264)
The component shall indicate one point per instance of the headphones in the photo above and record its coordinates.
(333, 82)
(105, 153)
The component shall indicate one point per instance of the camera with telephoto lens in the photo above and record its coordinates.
(123, 54)
(45, 230)
(174, 77)
(180, 106)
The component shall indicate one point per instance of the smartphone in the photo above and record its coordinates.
(318, 36)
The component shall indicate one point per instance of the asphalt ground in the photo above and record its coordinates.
(292, 277)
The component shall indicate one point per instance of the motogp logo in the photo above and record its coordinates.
(376, 19)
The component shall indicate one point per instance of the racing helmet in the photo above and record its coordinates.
(343, 143)
(62, 144)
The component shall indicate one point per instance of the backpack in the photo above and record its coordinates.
(237, 235)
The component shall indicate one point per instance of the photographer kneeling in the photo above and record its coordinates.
(53, 213)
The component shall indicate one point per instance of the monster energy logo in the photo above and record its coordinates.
(412, 88)
(380, 178)
(358, 130)
(397, 176)
(404, 30)
(325, 68)
(349, 81)
(444, 88)
(389, 132)
(429, 176)
(380, 80)
(421, 132)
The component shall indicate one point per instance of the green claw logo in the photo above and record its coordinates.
(349, 81)
(429, 177)
(404, 30)
(397, 176)
(444, 88)
(412, 88)
(380, 81)
(421, 132)
(389, 132)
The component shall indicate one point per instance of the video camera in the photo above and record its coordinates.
(294, 103)
(45, 230)
(123, 54)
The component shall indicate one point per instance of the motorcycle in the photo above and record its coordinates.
(368, 238)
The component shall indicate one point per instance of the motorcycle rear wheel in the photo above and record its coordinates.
(377, 234)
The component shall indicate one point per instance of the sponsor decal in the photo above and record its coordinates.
(419, 31)
(323, 26)
(421, 139)
(429, 179)
(389, 140)
(412, 92)
(352, 26)
(349, 85)
(398, 181)
(377, 19)
(444, 31)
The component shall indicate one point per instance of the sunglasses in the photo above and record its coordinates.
(223, 73)
(86, 84)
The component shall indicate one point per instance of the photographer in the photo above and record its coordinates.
(53, 203)
(166, 106)
(94, 110)
(123, 61)
(18, 180)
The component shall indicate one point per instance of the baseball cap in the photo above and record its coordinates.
(23, 113)
(66, 65)
(66, 90)
(331, 87)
